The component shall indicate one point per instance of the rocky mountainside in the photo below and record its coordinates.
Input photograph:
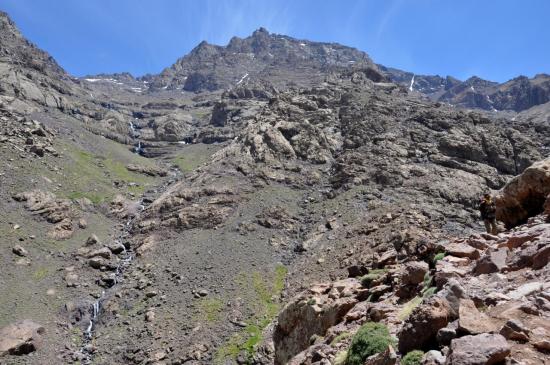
(159, 220)
(270, 57)
(518, 94)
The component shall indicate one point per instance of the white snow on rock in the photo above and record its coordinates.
(412, 83)
(242, 79)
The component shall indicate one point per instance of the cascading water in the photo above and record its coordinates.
(126, 258)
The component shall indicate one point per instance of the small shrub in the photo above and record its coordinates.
(371, 276)
(372, 338)
(413, 358)
(439, 256)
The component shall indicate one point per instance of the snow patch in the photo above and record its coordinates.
(93, 80)
(242, 79)
(302, 44)
(472, 88)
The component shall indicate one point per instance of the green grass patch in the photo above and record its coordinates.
(40, 274)
(439, 256)
(87, 175)
(210, 309)
(262, 292)
(340, 358)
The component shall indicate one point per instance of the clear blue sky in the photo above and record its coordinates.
(494, 39)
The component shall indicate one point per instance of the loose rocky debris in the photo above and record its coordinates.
(56, 211)
(147, 170)
(25, 135)
(481, 300)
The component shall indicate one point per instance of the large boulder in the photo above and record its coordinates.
(421, 328)
(312, 313)
(483, 349)
(20, 338)
(524, 196)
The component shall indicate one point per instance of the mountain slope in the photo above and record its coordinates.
(518, 94)
(245, 197)
(276, 58)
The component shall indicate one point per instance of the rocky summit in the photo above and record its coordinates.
(271, 201)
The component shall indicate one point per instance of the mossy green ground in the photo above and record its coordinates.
(192, 156)
(263, 291)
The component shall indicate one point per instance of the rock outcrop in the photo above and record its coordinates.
(525, 195)
(20, 338)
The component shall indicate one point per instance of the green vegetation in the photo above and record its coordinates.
(372, 338)
(210, 309)
(412, 358)
(40, 273)
(409, 307)
(340, 358)
(342, 336)
(439, 256)
(92, 176)
(428, 292)
(192, 156)
(262, 292)
(373, 275)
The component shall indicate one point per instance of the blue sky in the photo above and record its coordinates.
(494, 39)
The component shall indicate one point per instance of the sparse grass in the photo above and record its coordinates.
(210, 309)
(40, 273)
(409, 307)
(263, 292)
(372, 275)
(429, 292)
(342, 336)
(92, 176)
(340, 358)
(193, 156)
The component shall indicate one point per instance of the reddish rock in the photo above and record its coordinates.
(422, 325)
(471, 320)
(462, 250)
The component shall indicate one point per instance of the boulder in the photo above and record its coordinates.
(482, 349)
(513, 329)
(471, 320)
(20, 338)
(459, 249)
(493, 261)
(19, 250)
(414, 272)
(524, 196)
(541, 258)
(423, 324)
(433, 357)
(525, 290)
(310, 313)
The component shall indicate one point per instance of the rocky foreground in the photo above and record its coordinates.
(480, 299)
